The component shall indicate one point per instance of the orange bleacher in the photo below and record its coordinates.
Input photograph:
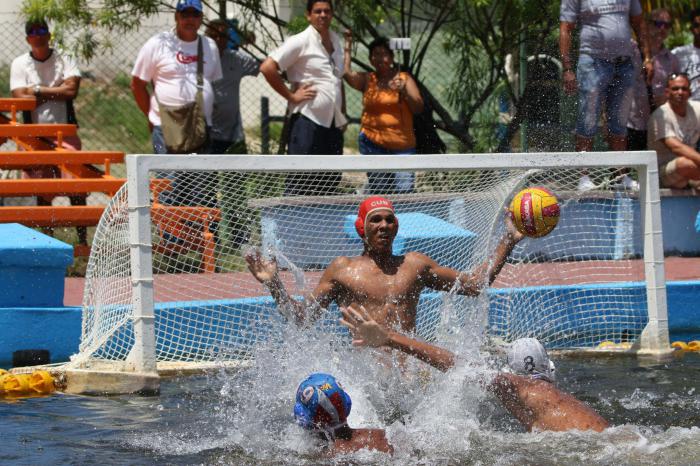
(80, 176)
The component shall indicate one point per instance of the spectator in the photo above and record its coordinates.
(605, 73)
(169, 61)
(389, 100)
(227, 135)
(689, 55)
(227, 128)
(674, 130)
(53, 78)
(648, 97)
(313, 61)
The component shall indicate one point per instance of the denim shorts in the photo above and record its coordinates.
(608, 82)
(385, 182)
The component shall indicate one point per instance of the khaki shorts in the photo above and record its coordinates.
(668, 173)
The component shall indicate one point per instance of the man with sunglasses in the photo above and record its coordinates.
(674, 130)
(689, 55)
(53, 79)
(605, 73)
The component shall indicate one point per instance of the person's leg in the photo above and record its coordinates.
(593, 76)
(157, 141)
(327, 141)
(404, 180)
(377, 182)
(619, 97)
(235, 214)
(301, 138)
(218, 146)
(686, 168)
(636, 139)
(74, 143)
(669, 176)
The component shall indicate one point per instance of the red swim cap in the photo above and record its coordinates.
(369, 205)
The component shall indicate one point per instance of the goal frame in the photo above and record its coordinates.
(654, 340)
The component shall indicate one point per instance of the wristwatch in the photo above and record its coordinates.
(37, 90)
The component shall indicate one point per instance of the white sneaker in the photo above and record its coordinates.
(585, 184)
(629, 184)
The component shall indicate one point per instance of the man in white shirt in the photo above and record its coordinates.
(674, 130)
(53, 79)
(313, 61)
(169, 61)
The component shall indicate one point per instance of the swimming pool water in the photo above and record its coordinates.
(245, 418)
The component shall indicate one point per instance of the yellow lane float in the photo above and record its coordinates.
(19, 385)
(683, 346)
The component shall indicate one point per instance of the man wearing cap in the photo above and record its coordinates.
(527, 391)
(53, 79)
(313, 62)
(388, 286)
(168, 60)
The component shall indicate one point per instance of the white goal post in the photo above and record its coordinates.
(526, 301)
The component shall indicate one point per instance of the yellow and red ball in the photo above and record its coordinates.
(535, 211)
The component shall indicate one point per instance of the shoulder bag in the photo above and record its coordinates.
(184, 127)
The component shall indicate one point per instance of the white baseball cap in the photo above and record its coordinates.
(527, 356)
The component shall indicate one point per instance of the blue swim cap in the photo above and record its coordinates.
(321, 403)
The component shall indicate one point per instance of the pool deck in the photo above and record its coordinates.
(220, 286)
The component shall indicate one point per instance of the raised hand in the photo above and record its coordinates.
(398, 84)
(348, 38)
(511, 231)
(265, 271)
(365, 331)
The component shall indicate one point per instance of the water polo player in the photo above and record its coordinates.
(387, 285)
(323, 406)
(528, 392)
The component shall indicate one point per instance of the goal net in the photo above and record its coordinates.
(167, 280)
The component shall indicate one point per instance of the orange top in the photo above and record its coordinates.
(386, 119)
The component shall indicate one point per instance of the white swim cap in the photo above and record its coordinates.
(527, 356)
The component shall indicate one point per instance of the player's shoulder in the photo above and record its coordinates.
(343, 262)
(418, 258)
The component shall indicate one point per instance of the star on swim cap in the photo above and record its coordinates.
(321, 403)
(368, 206)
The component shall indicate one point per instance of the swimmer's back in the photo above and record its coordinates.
(540, 405)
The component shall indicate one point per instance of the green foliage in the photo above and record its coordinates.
(77, 24)
(297, 24)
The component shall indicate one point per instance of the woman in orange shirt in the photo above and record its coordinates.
(390, 98)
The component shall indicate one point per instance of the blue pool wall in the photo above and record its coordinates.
(58, 329)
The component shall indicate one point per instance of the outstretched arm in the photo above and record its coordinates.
(306, 310)
(471, 283)
(367, 332)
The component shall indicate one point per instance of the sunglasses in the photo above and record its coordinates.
(38, 31)
(663, 24)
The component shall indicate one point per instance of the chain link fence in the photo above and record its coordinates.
(110, 120)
